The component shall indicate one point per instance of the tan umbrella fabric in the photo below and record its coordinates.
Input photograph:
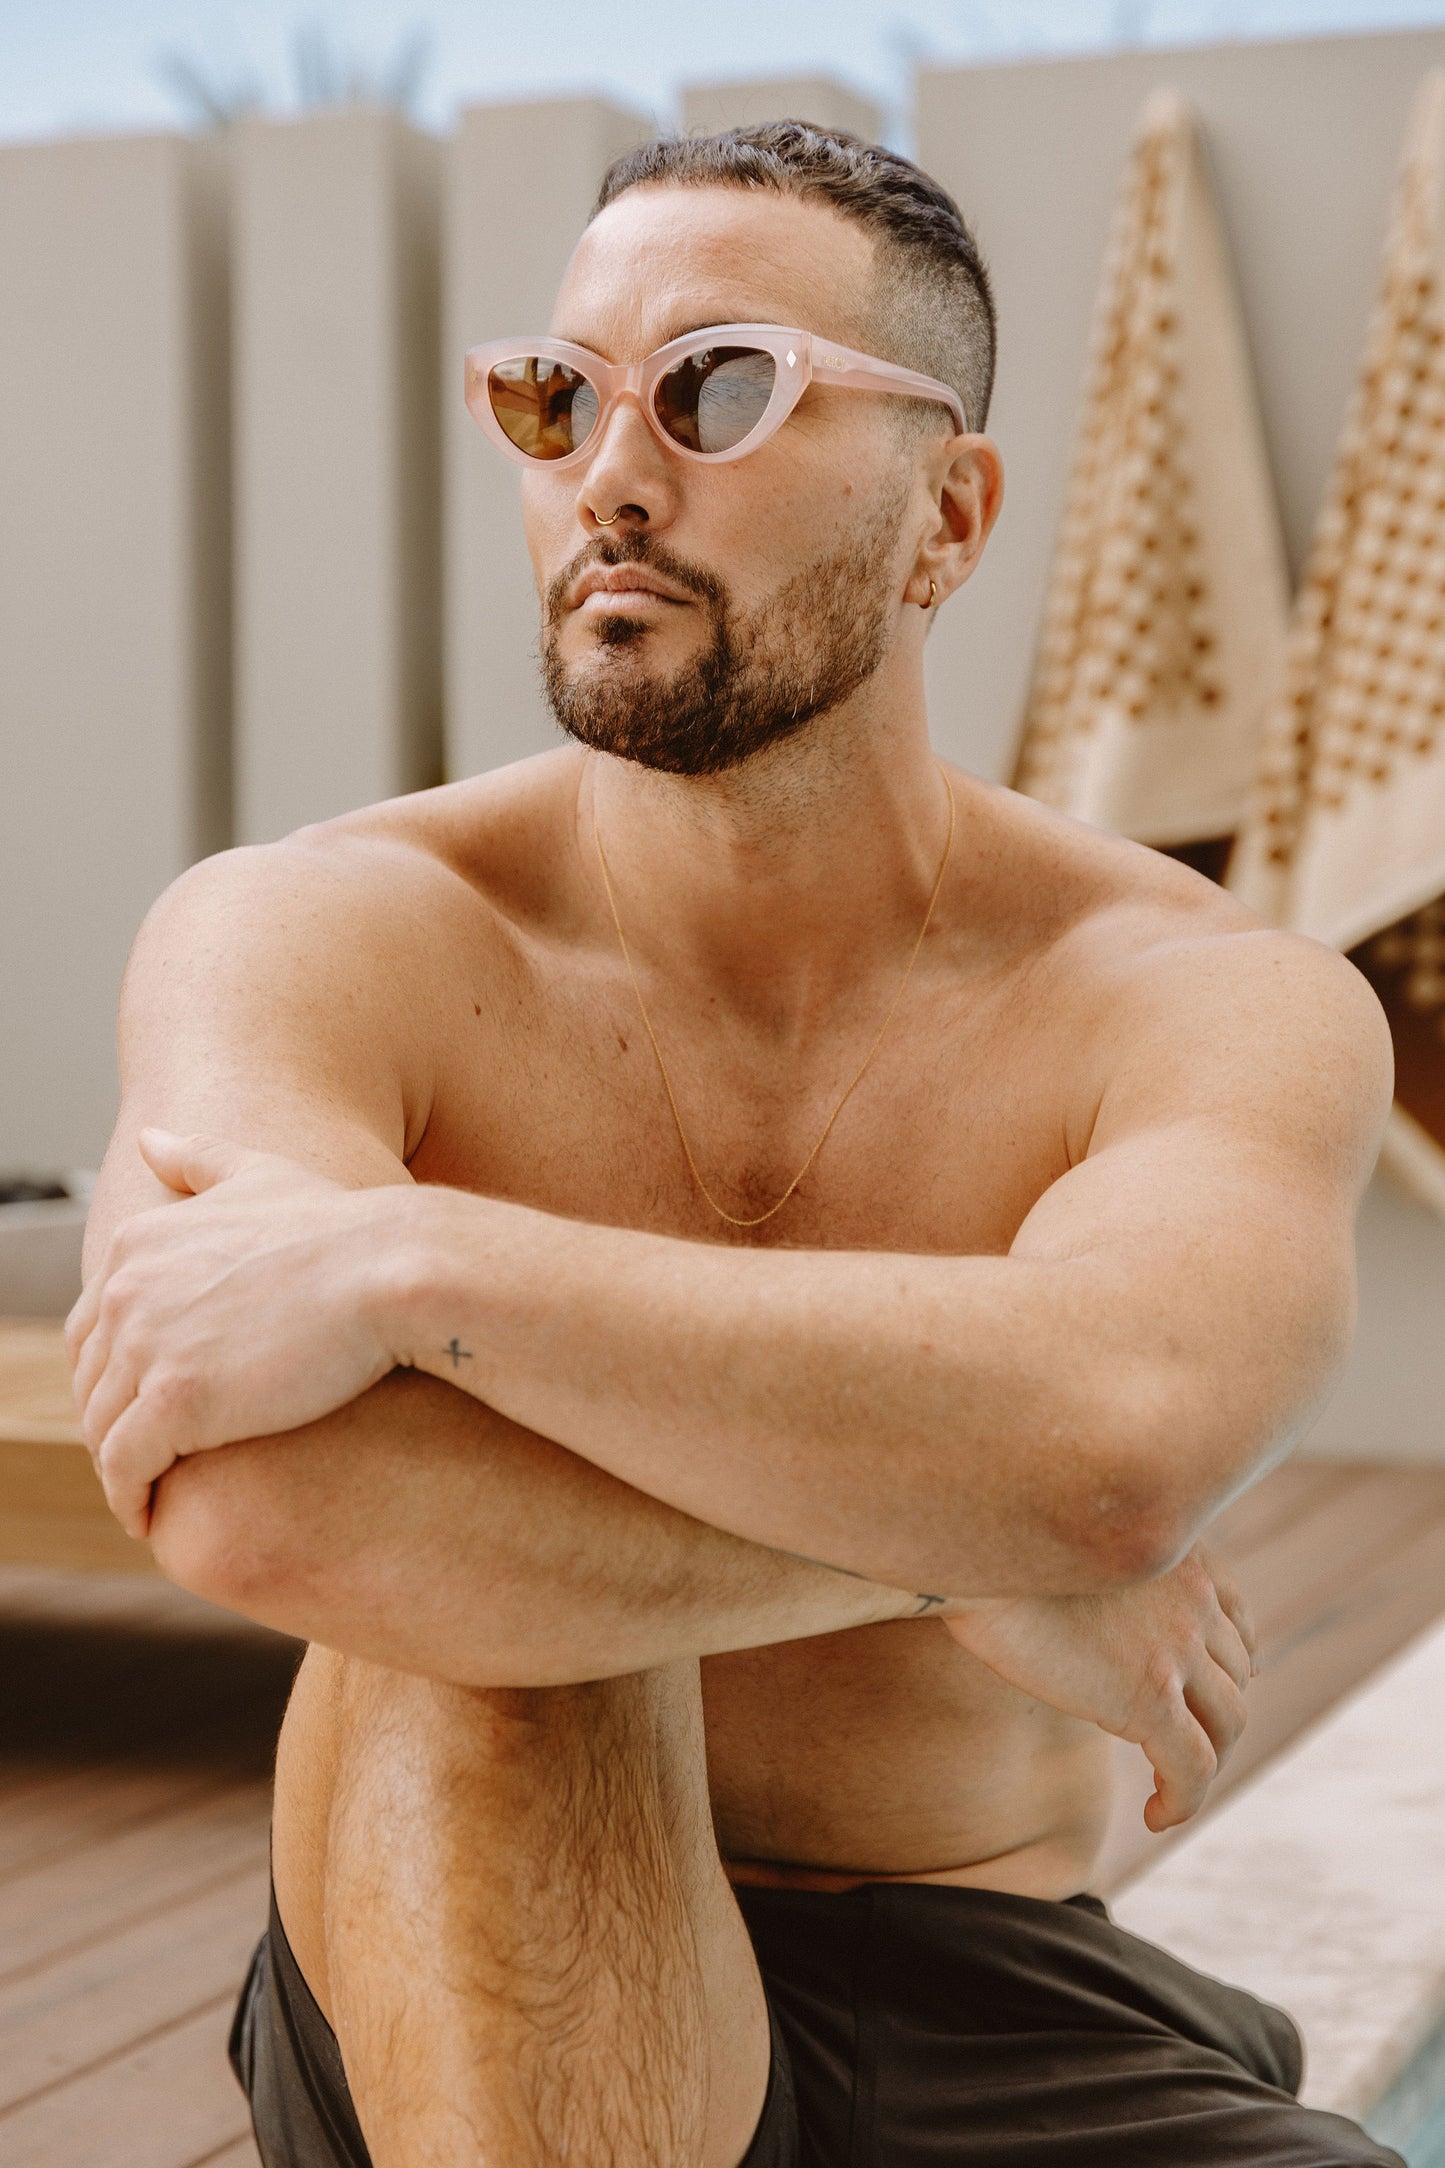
(1345, 837)
(1164, 626)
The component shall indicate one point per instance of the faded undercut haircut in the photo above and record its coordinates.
(933, 305)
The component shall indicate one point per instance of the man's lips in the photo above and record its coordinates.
(607, 590)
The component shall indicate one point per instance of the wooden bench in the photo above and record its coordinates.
(52, 1509)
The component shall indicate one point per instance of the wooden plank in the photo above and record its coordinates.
(167, 2103)
(134, 1808)
(57, 1818)
(1285, 1495)
(1306, 1565)
(81, 2009)
(1371, 1614)
(65, 1904)
(36, 1402)
(71, 1529)
(52, 1508)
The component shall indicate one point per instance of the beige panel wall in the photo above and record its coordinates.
(709, 107)
(338, 608)
(522, 179)
(113, 597)
(1303, 139)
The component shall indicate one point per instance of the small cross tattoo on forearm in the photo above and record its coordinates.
(457, 1352)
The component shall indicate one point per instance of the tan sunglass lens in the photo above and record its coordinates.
(547, 409)
(714, 398)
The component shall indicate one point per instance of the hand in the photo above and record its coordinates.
(1164, 1664)
(237, 1313)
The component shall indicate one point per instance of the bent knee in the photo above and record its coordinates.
(503, 1721)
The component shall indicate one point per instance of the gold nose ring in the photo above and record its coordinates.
(608, 522)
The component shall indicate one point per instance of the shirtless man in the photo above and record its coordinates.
(636, 1516)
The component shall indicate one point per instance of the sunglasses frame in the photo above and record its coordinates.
(800, 358)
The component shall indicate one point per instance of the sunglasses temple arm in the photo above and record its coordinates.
(859, 373)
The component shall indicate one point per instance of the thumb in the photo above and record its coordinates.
(189, 1165)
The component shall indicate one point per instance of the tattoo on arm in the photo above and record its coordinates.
(457, 1352)
(925, 1603)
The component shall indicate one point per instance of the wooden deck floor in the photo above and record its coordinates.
(134, 1761)
(134, 1799)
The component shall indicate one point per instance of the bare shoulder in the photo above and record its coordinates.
(1191, 1006)
(360, 897)
(340, 951)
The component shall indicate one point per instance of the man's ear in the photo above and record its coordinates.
(966, 483)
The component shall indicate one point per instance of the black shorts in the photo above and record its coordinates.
(918, 2026)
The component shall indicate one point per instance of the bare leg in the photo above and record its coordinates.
(509, 1904)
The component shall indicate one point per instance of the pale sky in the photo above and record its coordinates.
(78, 65)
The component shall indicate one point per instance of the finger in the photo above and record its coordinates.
(1241, 1618)
(112, 1393)
(91, 1359)
(81, 1322)
(94, 1357)
(1229, 1649)
(1231, 1603)
(1184, 1763)
(192, 1164)
(135, 1453)
(131, 1505)
(1217, 1704)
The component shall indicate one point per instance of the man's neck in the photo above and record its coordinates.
(776, 884)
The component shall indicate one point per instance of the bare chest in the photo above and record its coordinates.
(549, 1092)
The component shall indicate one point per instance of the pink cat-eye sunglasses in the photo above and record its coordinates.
(712, 394)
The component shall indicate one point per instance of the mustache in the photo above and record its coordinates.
(633, 549)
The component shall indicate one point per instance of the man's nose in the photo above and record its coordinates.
(631, 479)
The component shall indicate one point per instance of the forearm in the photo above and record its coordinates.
(418, 1529)
(891, 1414)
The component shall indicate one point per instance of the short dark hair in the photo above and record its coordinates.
(934, 310)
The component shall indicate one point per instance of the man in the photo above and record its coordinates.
(730, 1265)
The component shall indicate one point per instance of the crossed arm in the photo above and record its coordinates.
(272, 998)
(1051, 1424)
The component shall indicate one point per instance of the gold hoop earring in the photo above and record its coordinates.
(932, 587)
(608, 522)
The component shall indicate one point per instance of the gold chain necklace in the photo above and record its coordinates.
(721, 1211)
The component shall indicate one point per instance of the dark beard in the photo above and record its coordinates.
(764, 675)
